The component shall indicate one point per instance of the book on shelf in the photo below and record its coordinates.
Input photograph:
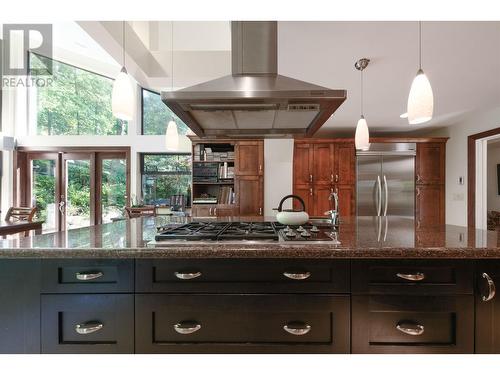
(226, 195)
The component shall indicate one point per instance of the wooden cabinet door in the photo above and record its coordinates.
(487, 308)
(204, 210)
(306, 193)
(429, 202)
(322, 164)
(322, 203)
(347, 194)
(19, 306)
(430, 163)
(249, 195)
(225, 210)
(302, 164)
(345, 164)
(249, 158)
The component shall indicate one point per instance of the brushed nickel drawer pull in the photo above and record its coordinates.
(187, 328)
(410, 328)
(88, 328)
(297, 328)
(491, 288)
(86, 276)
(419, 276)
(297, 276)
(187, 275)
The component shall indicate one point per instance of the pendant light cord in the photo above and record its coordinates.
(123, 43)
(419, 45)
(362, 112)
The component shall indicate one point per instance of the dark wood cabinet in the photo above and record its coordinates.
(87, 323)
(19, 306)
(321, 167)
(429, 205)
(487, 307)
(412, 324)
(249, 158)
(302, 164)
(250, 195)
(430, 163)
(242, 323)
(214, 210)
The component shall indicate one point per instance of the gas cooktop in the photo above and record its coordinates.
(246, 231)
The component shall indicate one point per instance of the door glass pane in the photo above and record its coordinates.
(77, 193)
(113, 189)
(43, 192)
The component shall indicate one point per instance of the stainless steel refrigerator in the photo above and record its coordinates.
(386, 180)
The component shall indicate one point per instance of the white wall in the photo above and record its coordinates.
(493, 160)
(278, 168)
(456, 159)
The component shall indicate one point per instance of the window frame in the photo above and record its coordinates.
(29, 102)
(142, 173)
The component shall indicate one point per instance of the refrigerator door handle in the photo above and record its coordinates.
(386, 195)
(379, 196)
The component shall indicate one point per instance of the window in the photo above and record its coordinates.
(156, 115)
(165, 175)
(78, 102)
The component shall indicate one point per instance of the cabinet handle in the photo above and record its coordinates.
(187, 275)
(410, 328)
(260, 210)
(215, 211)
(260, 167)
(187, 328)
(419, 276)
(310, 178)
(491, 288)
(297, 276)
(336, 178)
(311, 191)
(418, 192)
(89, 327)
(297, 328)
(86, 276)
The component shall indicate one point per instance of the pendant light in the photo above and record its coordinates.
(122, 98)
(420, 99)
(172, 134)
(362, 136)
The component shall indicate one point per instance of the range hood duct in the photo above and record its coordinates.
(254, 100)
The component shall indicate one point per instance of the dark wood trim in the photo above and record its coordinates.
(375, 140)
(73, 149)
(471, 173)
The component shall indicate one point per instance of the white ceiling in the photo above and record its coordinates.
(461, 59)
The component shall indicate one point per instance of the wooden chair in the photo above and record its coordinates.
(132, 212)
(20, 214)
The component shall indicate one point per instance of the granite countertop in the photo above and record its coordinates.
(359, 238)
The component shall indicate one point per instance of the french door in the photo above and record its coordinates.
(74, 189)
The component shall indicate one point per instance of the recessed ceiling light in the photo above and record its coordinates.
(404, 115)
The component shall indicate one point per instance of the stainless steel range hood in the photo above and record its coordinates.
(254, 100)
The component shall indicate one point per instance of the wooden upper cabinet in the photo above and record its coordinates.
(249, 158)
(430, 163)
(323, 164)
(345, 163)
(249, 193)
(302, 164)
(429, 205)
(306, 193)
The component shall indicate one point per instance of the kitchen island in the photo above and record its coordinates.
(385, 286)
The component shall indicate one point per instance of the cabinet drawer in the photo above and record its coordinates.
(87, 276)
(242, 323)
(249, 275)
(88, 323)
(412, 277)
(412, 324)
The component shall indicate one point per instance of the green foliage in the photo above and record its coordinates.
(44, 183)
(77, 103)
(156, 115)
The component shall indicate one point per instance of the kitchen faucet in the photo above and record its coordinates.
(334, 212)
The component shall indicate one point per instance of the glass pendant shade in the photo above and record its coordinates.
(172, 136)
(420, 100)
(362, 136)
(122, 98)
